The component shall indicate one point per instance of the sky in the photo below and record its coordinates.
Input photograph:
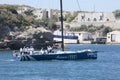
(70, 5)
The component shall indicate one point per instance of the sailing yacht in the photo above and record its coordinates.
(56, 55)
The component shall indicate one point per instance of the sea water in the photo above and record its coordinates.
(105, 67)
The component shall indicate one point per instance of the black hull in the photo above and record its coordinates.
(67, 56)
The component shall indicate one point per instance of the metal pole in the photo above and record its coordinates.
(61, 10)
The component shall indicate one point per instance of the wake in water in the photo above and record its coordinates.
(8, 60)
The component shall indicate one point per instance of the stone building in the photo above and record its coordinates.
(38, 12)
(22, 9)
(43, 13)
(113, 37)
(94, 17)
(84, 37)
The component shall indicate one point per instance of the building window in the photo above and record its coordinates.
(82, 17)
(113, 37)
(107, 19)
(108, 36)
(47, 14)
(95, 19)
(88, 19)
(101, 18)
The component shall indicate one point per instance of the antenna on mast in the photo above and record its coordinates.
(94, 8)
(78, 5)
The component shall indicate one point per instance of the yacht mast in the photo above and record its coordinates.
(61, 11)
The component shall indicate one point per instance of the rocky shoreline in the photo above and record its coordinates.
(36, 37)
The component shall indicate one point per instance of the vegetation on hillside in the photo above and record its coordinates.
(10, 17)
(12, 20)
(92, 29)
(69, 17)
(116, 13)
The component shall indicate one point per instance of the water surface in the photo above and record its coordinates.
(106, 67)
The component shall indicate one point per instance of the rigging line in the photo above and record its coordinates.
(94, 8)
(78, 5)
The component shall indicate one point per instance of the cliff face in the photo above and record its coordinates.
(36, 37)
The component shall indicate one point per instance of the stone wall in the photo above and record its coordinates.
(96, 19)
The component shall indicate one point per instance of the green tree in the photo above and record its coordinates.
(116, 13)
(12, 9)
(106, 30)
(29, 12)
(83, 28)
(69, 17)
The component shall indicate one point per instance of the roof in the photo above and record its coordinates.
(114, 32)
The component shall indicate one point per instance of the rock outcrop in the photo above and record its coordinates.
(36, 37)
